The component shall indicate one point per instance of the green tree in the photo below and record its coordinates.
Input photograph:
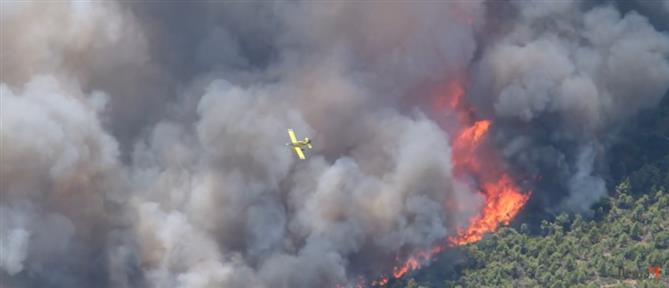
(661, 240)
(412, 284)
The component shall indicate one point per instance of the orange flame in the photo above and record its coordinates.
(415, 260)
(503, 198)
(465, 146)
(503, 201)
(456, 92)
(381, 282)
(409, 265)
(475, 133)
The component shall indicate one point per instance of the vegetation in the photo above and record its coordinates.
(615, 251)
(614, 248)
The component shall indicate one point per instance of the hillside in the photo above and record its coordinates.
(626, 235)
(617, 250)
(612, 247)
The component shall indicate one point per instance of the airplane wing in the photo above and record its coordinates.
(291, 134)
(299, 153)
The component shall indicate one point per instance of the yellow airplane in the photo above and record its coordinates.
(297, 145)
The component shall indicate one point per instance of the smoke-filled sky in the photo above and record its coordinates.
(142, 144)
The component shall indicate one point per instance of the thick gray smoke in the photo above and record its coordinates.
(142, 145)
(563, 77)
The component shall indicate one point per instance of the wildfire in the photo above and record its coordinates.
(414, 261)
(456, 92)
(503, 201)
(381, 282)
(465, 146)
(472, 136)
(409, 265)
(503, 198)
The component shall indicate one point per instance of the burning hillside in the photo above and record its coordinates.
(502, 197)
(142, 143)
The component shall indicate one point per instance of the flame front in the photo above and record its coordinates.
(503, 199)
(415, 260)
(465, 146)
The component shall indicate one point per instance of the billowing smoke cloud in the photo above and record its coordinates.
(143, 144)
(561, 78)
(62, 189)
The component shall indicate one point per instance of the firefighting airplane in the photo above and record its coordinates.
(297, 145)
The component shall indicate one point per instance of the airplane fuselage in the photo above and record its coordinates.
(298, 145)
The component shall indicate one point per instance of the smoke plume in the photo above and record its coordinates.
(561, 79)
(142, 144)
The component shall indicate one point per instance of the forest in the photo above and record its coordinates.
(618, 244)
